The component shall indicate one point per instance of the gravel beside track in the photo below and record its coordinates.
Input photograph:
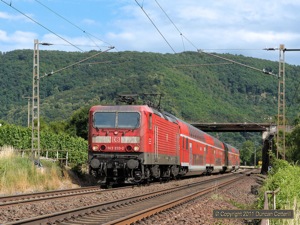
(237, 196)
(196, 212)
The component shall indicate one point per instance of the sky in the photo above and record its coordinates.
(166, 26)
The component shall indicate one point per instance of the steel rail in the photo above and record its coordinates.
(42, 196)
(49, 195)
(46, 194)
(165, 206)
(99, 212)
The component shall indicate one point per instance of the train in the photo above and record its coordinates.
(133, 144)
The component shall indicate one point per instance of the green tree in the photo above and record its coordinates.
(293, 145)
(246, 153)
(58, 126)
(78, 124)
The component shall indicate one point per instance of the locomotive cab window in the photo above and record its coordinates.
(105, 119)
(117, 120)
(128, 120)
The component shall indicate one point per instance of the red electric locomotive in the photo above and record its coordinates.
(137, 143)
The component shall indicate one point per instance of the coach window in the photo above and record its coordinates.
(187, 144)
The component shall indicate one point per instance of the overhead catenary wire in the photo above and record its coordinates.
(10, 5)
(73, 24)
(223, 58)
(171, 22)
(53, 72)
(204, 64)
(238, 63)
(168, 17)
(94, 63)
(81, 45)
(142, 8)
(64, 68)
(76, 63)
(231, 49)
(182, 36)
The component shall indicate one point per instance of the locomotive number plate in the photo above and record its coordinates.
(115, 148)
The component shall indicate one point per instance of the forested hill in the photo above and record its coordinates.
(196, 86)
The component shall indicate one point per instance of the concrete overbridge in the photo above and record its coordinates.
(233, 127)
(268, 132)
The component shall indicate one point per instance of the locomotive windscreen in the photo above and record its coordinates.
(116, 119)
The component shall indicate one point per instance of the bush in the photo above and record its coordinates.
(20, 138)
(286, 177)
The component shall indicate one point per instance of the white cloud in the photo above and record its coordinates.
(128, 36)
(13, 17)
(4, 15)
(88, 22)
(16, 40)
(22, 37)
(223, 24)
(3, 36)
(192, 13)
(79, 43)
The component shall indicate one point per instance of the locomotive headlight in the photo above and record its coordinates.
(95, 148)
(136, 148)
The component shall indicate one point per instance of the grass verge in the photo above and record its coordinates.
(20, 175)
(286, 177)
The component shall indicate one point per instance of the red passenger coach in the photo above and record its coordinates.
(202, 153)
(137, 143)
(234, 157)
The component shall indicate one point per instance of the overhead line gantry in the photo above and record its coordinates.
(281, 119)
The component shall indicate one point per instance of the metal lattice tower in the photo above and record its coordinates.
(281, 121)
(35, 118)
(281, 118)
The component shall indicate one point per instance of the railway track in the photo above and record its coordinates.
(129, 210)
(11, 200)
(52, 195)
(47, 195)
(57, 194)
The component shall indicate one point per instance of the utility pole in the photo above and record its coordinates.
(35, 118)
(281, 104)
(281, 118)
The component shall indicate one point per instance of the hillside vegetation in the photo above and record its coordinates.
(196, 87)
